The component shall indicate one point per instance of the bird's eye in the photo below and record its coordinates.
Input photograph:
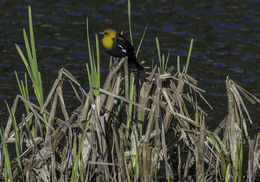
(105, 33)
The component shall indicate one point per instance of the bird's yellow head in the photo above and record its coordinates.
(107, 40)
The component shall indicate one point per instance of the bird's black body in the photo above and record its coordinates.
(121, 48)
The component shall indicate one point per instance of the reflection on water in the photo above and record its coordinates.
(226, 40)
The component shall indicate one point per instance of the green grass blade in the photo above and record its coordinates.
(41, 90)
(223, 163)
(126, 168)
(129, 21)
(74, 169)
(31, 63)
(89, 76)
(93, 68)
(88, 41)
(25, 94)
(161, 59)
(178, 64)
(24, 60)
(240, 172)
(211, 139)
(35, 67)
(31, 52)
(158, 49)
(35, 85)
(8, 169)
(93, 59)
(227, 176)
(17, 140)
(131, 97)
(18, 82)
(163, 62)
(28, 49)
(97, 77)
(23, 88)
(137, 167)
(240, 157)
(26, 86)
(141, 41)
(81, 172)
(98, 55)
(76, 157)
(90, 58)
(188, 59)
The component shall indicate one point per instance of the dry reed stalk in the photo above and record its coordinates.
(115, 68)
(200, 151)
(51, 116)
(174, 114)
(9, 122)
(144, 94)
(253, 158)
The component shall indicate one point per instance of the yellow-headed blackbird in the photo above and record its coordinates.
(118, 46)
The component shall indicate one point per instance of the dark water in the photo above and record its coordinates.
(226, 33)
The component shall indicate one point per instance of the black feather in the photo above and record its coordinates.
(122, 48)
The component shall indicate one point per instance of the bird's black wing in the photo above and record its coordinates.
(124, 46)
(126, 49)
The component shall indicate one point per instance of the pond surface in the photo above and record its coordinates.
(226, 33)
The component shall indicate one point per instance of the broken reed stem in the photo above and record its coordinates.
(157, 106)
(51, 116)
(200, 150)
(9, 122)
(126, 79)
(115, 68)
(122, 98)
(127, 95)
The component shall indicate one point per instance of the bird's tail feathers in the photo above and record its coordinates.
(134, 65)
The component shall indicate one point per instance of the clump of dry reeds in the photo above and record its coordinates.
(160, 134)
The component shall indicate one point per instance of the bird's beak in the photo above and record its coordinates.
(101, 33)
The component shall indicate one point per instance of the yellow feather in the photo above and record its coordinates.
(107, 40)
